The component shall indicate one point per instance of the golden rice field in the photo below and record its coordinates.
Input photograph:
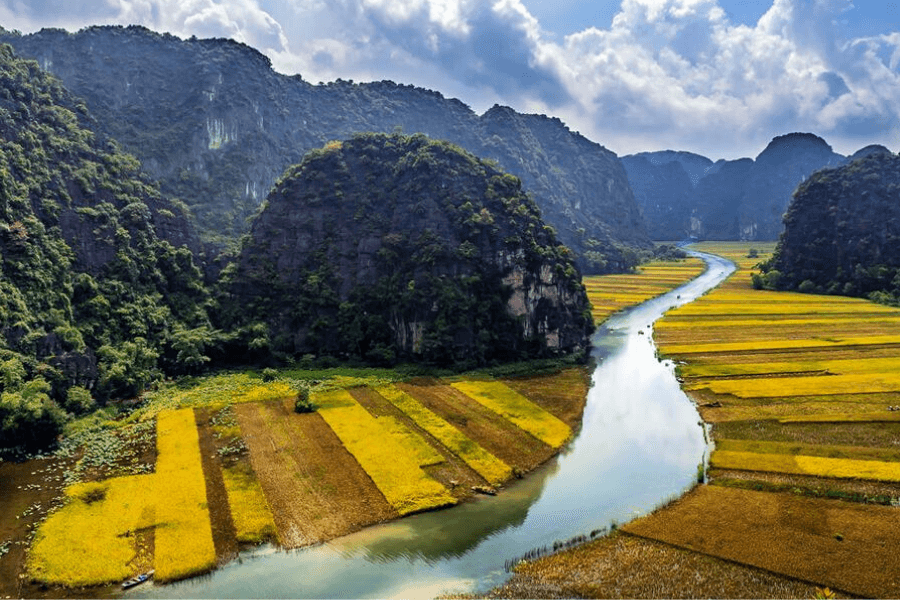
(111, 529)
(803, 361)
(93, 539)
(609, 294)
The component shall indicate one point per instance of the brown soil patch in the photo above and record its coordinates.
(623, 566)
(877, 435)
(845, 546)
(28, 490)
(845, 489)
(564, 394)
(314, 486)
(223, 531)
(454, 474)
(492, 432)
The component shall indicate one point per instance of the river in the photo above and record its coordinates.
(640, 445)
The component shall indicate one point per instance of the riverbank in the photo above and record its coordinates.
(805, 481)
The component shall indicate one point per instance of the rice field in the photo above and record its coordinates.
(494, 470)
(609, 294)
(755, 356)
(94, 538)
(298, 479)
(517, 409)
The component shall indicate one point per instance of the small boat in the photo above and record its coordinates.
(138, 579)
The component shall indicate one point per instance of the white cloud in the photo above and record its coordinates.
(667, 73)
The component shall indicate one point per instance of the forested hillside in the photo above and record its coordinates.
(389, 247)
(96, 300)
(842, 232)
(217, 126)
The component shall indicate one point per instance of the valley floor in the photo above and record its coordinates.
(803, 488)
(206, 467)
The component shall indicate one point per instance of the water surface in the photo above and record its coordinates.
(640, 444)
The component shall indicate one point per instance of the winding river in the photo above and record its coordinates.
(640, 444)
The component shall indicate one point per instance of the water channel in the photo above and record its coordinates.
(640, 444)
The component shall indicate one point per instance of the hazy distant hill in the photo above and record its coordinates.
(842, 232)
(216, 125)
(741, 199)
(390, 247)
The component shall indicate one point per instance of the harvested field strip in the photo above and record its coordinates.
(845, 546)
(253, 519)
(520, 411)
(394, 462)
(184, 544)
(820, 450)
(875, 340)
(842, 367)
(795, 410)
(315, 487)
(864, 383)
(862, 417)
(839, 468)
(563, 394)
(483, 426)
(494, 470)
(91, 540)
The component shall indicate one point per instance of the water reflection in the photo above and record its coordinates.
(639, 445)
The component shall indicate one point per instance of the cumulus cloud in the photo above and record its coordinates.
(665, 73)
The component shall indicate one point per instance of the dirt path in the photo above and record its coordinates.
(316, 489)
(224, 533)
(846, 546)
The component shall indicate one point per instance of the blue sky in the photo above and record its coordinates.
(717, 77)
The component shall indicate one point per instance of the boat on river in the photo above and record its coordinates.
(136, 580)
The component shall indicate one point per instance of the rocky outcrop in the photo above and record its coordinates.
(842, 232)
(216, 126)
(388, 247)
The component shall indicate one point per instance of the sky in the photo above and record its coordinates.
(716, 77)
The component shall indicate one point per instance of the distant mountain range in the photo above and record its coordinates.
(683, 194)
(216, 126)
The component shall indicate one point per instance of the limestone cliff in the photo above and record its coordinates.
(388, 247)
(217, 126)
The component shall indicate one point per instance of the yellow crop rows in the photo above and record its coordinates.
(834, 361)
(253, 520)
(92, 539)
(518, 409)
(389, 453)
(611, 293)
(184, 544)
(482, 462)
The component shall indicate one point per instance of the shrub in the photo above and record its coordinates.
(79, 401)
(303, 404)
(269, 374)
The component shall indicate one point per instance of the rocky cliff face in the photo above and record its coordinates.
(842, 232)
(388, 247)
(731, 200)
(216, 126)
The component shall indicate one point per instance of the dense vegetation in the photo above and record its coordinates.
(93, 304)
(387, 247)
(842, 233)
(216, 126)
